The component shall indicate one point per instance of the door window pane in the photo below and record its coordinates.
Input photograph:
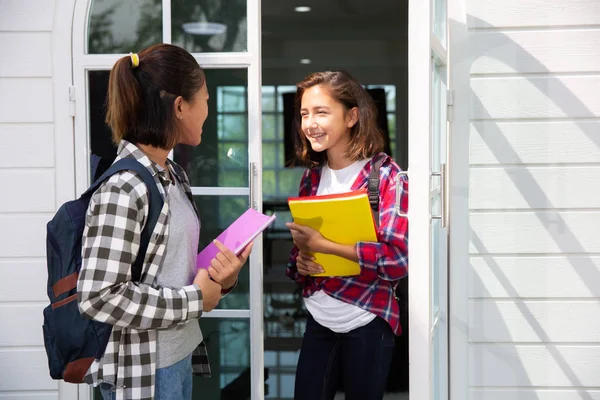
(100, 137)
(435, 267)
(269, 126)
(232, 98)
(439, 20)
(232, 126)
(222, 157)
(123, 26)
(208, 26)
(228, 344)
(438, 115)
(268, 99)
(216, 214)
(270, 156)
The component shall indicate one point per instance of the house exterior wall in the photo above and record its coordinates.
(36, 170)
(534, 200)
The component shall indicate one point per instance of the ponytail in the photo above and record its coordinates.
(123, 101)
(142, 90)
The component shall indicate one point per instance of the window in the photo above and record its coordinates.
(279, 182)
(390, 111)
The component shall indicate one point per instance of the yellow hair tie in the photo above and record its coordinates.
(135, 59)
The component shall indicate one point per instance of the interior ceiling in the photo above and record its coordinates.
(334, 34)
(333, 8)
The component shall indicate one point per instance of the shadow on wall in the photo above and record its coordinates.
(564, 239)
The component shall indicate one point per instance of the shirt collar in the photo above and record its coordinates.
(128, 149)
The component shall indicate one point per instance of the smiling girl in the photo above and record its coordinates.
(352, 321)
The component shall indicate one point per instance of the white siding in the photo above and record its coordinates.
(26, 54)
(534, 200)
(28, 171)
(27, 15)
(26, 145)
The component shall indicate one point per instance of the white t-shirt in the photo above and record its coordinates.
(332, 313)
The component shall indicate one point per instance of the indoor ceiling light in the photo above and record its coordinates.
(302, 9)
(204, 28)
(305, 61)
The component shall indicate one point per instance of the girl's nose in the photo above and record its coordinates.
(309, 121)
(314, 128)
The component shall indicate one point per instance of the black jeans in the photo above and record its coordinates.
(359, 359)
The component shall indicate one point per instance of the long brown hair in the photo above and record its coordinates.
(366, 138)
(140, 99)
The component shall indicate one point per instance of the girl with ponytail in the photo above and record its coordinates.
(156, 99)
(352, 321)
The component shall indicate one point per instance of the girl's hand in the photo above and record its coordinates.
(306, 266)
(225, 267)
(307, 239)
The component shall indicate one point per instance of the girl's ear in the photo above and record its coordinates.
(178, 107)
(352, 117)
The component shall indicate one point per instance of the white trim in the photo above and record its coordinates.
(459, 59)
(227, 60)
(206, 60)
(438, 51)
(80, 158)
(82, 63)
(62, 66)
(255, 157)
(419, 125)
(99, 62)
(64, 174)
(82, 152)
(166, 21)
(441, 332)
(218, 313)
(220, 191)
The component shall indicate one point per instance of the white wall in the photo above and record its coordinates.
(35, 179)
(534, 200)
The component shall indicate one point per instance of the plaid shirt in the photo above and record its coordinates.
(114, 222)
(382, 263)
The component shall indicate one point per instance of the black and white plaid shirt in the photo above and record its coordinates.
(114, 222)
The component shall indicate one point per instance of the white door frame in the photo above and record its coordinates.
(72, 177)
(459, 61)
(62, 79)
(427, 325)
(250, 60)
(418, 209)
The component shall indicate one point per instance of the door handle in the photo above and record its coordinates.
(443, 215)
(251, 180)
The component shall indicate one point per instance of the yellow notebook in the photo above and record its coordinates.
(344, 218)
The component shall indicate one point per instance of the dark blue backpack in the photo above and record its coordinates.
(72, 341)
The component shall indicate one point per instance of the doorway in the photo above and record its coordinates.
(255, 357)
(370, 41)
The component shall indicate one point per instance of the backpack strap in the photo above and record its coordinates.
(154, 208)
(373, 186)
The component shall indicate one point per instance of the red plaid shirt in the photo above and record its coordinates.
(382, 263)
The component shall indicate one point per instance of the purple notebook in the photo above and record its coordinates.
(237, 236)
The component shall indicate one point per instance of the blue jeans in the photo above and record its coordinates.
(359, 359)
(172, 383)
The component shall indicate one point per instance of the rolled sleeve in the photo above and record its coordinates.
(368, 254)
(194, 300)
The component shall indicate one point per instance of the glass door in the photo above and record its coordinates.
(429, 99)
(225, 170)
